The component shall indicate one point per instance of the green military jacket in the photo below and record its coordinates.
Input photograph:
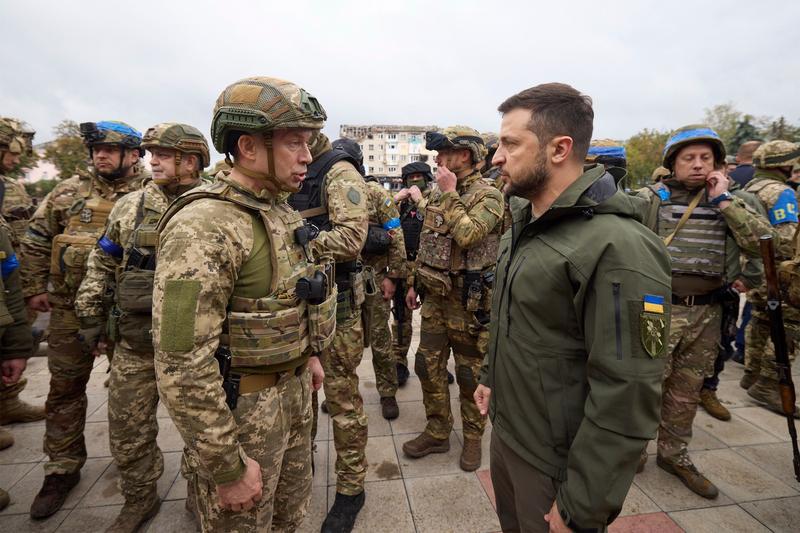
(576, 359)
(15, 333)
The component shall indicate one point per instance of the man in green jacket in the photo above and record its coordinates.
(580, 315)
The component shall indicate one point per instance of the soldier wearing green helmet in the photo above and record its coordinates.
(706, 230)
(121, 267)
(62, 232)
(455, 267)
(773, 163)
(237, 293)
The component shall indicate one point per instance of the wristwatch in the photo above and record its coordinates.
(726, 196)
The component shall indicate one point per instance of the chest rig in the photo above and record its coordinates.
(698, 249)
(411, 220)
(86, 221)
(274, 331)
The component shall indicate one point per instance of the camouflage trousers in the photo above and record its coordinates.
(274, 429)
(693, 337)
(401, 338)
(65, 408)
(377, 312)
(132, 423)
(345, 404)
(759, 352)
(445, 325)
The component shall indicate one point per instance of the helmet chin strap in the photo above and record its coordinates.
(269, 179)
(176, 179)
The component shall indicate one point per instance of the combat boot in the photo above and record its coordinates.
(402, 374)
(766, 392)
(343, 514)
(748, 379)
(135, 513)
(712, 405)
(642, 461)
(425, 444)
(470, 455)
(16, 410)
(389, 408)
(6, 439)
(55, 490)
(688, 474)
(450, 378)
(4, 499)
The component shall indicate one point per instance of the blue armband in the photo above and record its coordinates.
(785, 209)
(9, 265)
(110, 247)
(664, 194)
(391, 224)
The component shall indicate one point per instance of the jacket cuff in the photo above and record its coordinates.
(231, 469)
(567, 517)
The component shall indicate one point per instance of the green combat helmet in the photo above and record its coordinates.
(181, 138)
(606, 152)
(262, 104)
(776, 154)
(457, 137)
(693, 134)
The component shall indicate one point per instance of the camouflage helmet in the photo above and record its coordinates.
(490, 139)
(181, 137)
(692, 134)
(776, 154)
(457, 137)
(111, 132)
(9, 140)
(660, 173)
(263, 104)
(24, 131)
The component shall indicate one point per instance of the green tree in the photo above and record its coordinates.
(67, 151)
(781, 129)
(41, 188)
(644, 152)
(724, 119)
(745, 131)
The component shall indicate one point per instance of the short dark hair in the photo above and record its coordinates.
(556, 109)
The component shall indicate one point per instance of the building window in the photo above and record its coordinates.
(392, 169)
(372, 158)
(402, 159)
(371, 146)
(394, 157)
(414, 157)
(380, 136)
(392, 136)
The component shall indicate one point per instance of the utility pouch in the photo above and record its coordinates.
(322, 322)
(68, 257)
(378, 240)
(368, 275)
(135, 291)
(357, 288)
(472, 290)
(434, 281)
(435, 250)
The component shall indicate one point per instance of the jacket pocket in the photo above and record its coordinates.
(615, 287)
(562, 383)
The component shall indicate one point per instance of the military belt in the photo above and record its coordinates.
(258, 382)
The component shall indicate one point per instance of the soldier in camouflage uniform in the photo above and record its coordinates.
(773, 166)
(126, 255)
(411, 201)
(334, 200)
(718, 228)
(455, 265)
(228, 284)
(16, 207)
(384, 257)
(62, 232)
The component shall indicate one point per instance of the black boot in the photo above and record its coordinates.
(343, 514)
(402, 374)
(450, 378)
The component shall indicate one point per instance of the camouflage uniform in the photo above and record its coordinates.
(343, 236)
(62, 232)
(780, 202)
(699, 271)
(391, 263)
(228, 264)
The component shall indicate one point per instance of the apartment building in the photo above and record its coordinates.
(387, 148)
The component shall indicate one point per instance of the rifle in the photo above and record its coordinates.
(399, 308)
(778, 336)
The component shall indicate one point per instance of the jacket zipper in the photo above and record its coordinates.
(617, 319)
(508, 303)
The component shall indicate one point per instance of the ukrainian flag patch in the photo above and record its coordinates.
(653, 304)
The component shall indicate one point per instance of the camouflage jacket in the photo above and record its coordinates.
(103, 265)
(202, 255)
(52, 218)
(346, 195)
(15, 333)
(383, 212)
(17, 208)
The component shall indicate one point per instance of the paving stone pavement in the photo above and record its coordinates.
(749, 458)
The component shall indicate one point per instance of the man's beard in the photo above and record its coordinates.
(113, 175)
(534, 182)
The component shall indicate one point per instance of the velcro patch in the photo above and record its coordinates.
(178, 313)
(354, 196)
(785, 209)
(244, 94)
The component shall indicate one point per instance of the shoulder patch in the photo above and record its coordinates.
(354, 196)
(178, 313)
(784, 209)
(653, 325)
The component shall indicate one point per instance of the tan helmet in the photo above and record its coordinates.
(180, 137)
(10, 141)
(24, 131)
(659, 174)
(693, 134)
(776, 154)
(457, 137)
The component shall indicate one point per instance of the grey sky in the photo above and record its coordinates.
(645, 64)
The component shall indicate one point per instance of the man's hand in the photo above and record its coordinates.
(481, 395)
(38, 302)
(739, 286)
(12, 370)
(557, 525)
(416, 194)
(411, 299)
(401, 195)
(243, 494)
(445, 179)
(89, 337)
(388, 287)
(717, 183)
(317, 373)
